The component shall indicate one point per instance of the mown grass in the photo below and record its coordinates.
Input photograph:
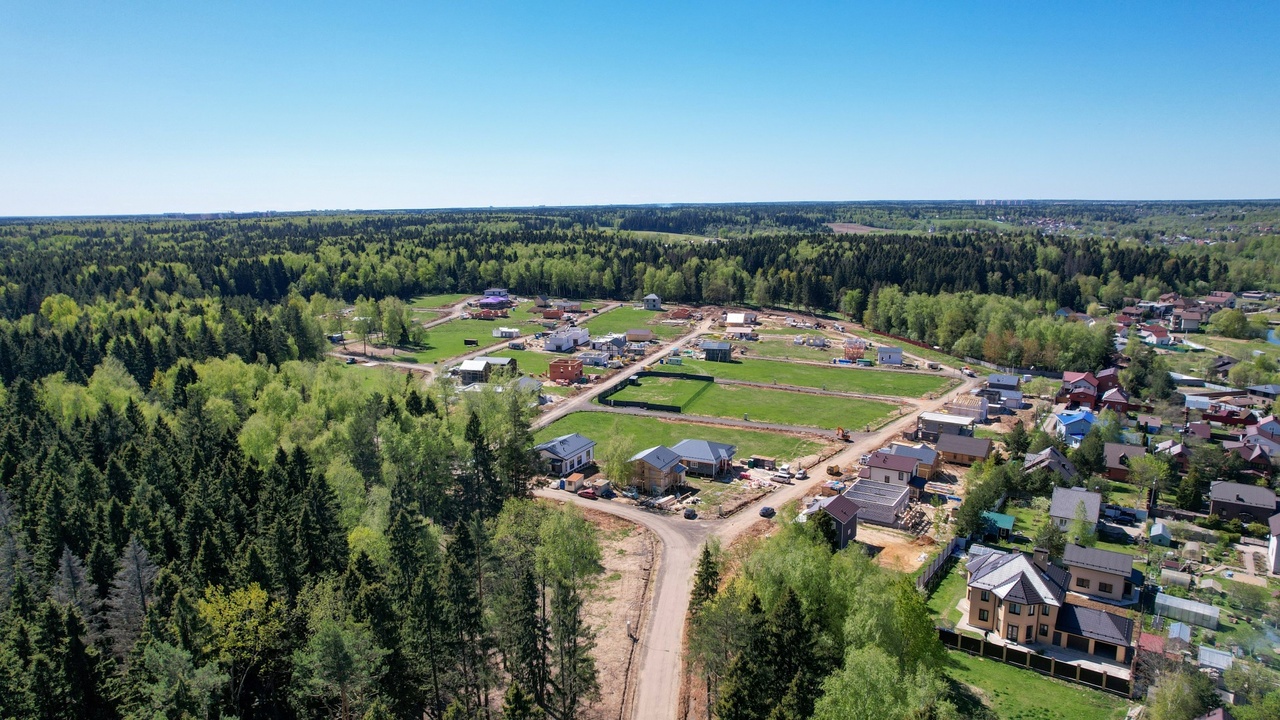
(785, 349)
(764, 405)
(620, 320)
(840, 379)
(952, 589)
(1018, 694)
(637, 433)
(446, 340)
(438, 301)
(532, 362)
(664, 391)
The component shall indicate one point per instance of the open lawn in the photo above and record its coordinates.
(789, 408)
(773, 406)
(1027, 520)
(532, 362)
(378, 379)
(438, 301)
(841, 379)
(1018, 694)
(908, 349)
(664, 391)
(638, 433)
(622, 319)
(952, 589)
(785, 349)
(445, 341)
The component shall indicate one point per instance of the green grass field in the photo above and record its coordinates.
(908, 349)
(620, 320)
(665, 391)
(1018, 694)
(382, 380)
(532, 362)
(773, 406)
(841, 379)
(445, 341)
(952, 589)
(438, 301)
(638, 433)
(785, 349)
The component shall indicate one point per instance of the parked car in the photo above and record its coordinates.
(690, 514)
(801, 474)
(767, 512)
(588, 493)
(351, 361)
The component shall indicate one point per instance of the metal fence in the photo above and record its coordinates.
(1042, 664)
(931, 571)
(606, 397)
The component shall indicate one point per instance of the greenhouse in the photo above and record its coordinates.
(1190, 611)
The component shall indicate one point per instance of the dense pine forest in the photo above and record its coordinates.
(201, 518)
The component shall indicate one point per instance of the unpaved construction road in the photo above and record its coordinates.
(657, 692)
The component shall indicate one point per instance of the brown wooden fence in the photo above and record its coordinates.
(1042, 664)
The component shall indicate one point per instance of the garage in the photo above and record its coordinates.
(1105, 649)
(1075, 642)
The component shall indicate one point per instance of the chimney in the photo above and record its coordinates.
(1040, 558)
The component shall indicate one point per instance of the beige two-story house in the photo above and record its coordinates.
(1102, 574)
(1024, 600)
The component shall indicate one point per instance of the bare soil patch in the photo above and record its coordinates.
(897, 550)
(627, 554)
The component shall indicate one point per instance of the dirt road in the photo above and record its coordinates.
(583, 401)
(660, 667)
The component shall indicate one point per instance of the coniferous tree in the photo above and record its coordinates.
(706, 581)
(129, 598)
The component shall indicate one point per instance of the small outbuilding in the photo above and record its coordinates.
(888, 355)
(717, 351)
(1159, 535)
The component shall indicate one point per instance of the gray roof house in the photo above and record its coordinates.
(1095, 625)
(1053, 460)
(1249, 503)
(1067, 500)
(567, 453)
(703, 457)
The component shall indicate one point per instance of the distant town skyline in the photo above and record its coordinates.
(158, 108)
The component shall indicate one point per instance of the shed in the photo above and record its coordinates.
(1175, 578)
(1160, 535)
(640, 335)
(1180, 631)
(997, 524)
(1190, 611)
(1211, 658)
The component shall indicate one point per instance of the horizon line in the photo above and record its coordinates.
(976, 202)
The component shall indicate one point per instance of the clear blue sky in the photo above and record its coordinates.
(126, 107)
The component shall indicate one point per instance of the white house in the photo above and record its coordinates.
(497, 292)
(740, 318)
(889, 355)
(652, 302)
(566, 340)
(506, 332)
